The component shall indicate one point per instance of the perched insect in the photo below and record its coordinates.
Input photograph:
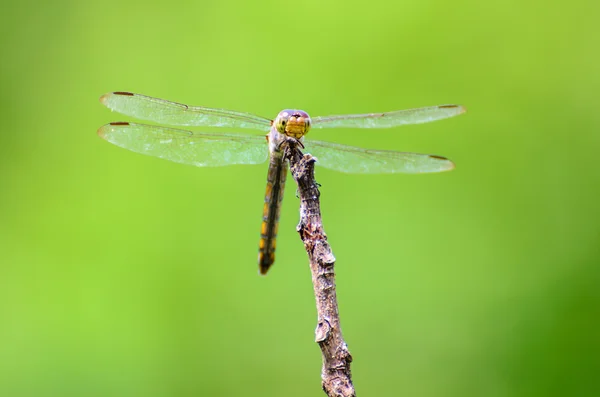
(205, 149)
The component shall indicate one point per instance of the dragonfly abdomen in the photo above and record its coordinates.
(272, 206)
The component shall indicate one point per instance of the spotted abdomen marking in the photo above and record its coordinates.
(270, 223)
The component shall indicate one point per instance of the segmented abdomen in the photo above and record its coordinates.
(270, 223)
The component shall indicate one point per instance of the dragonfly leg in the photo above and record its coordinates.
(290, 140)
(298, 142)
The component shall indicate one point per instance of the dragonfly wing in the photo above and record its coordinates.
(173, 113)
(186, 147)
(389, 119)
(355, 160)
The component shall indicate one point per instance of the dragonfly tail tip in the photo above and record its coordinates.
(263, 271)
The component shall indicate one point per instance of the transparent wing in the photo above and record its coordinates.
(389, 119)
(194, 148)
(355, 160)
(173, 113)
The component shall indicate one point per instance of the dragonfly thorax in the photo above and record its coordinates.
(293, 123)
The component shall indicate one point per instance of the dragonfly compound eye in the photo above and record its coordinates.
(293, 123)
(281, 121)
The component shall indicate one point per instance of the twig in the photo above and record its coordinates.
(335, 374)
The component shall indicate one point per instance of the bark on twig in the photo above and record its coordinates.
(335, 374)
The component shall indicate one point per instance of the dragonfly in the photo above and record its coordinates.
(208, 149)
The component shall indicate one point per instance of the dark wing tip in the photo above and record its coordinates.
(433, 156)
(105, 129)
(461, 108)
(106, 97)
(448, 164)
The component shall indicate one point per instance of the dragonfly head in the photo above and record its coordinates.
(293, 123)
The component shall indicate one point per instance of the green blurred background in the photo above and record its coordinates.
(125, 275)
